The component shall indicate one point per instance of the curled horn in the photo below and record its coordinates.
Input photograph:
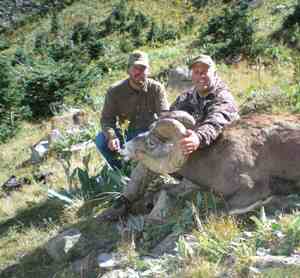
(169, 128)
(184, 117)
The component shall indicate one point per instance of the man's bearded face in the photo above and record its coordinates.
(138, 74)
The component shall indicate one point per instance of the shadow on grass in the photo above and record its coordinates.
(37, 216)
(97, 238)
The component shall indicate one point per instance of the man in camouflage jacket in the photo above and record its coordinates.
(209, 101)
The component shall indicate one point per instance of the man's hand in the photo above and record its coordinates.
(114, 144)
(190, 143)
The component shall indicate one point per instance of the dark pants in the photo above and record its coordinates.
(113, 157)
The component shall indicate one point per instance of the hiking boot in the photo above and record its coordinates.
(119, 209)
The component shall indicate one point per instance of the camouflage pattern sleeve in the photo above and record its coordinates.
(220, 112)
(108, 116)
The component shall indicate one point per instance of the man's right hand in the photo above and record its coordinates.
(114, 144)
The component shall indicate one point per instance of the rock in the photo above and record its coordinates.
(13, 183)
(127, 273)
(167, 246)
(110, 260)
(63, 245)
(179, 78)
(268, 261)
(39, 151)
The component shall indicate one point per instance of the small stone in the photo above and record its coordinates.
(109, 260)
(127, 273)
(60, 247)
(39, 151)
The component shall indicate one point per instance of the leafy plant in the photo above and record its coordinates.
(229, 34)
(216, 237)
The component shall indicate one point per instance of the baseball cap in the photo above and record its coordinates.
(203, 59)
(138, 58)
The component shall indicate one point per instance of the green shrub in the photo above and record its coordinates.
(60, 50)
(82, 32)
(126, 45)
(117, 20)
(10, 101)
(55, 25)
(189, 24)
(290, 30)
(229, 34)
(4, 43)
(140, 22)
(161, 33)
(96, 48)
(47, 83)
(41, 41)
(199, 3)
(21, 57)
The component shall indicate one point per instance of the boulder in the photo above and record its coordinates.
(179, 78)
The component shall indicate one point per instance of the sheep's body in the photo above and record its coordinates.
(252, 161)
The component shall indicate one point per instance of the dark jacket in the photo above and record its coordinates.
(122, 102)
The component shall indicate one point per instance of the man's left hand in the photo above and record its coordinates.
(190, 143)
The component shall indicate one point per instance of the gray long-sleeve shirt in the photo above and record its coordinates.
(122, 102)
(212, 111)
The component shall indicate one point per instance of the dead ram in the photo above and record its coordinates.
(251, 162)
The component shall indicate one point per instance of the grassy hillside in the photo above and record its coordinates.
(70, 58)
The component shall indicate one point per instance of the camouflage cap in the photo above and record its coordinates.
(138, 58)
(203, 59)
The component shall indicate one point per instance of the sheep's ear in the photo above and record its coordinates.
(182, 116)
(169, 129)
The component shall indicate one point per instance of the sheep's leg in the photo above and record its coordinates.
(139, 180)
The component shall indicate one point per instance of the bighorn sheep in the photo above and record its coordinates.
(248, 164)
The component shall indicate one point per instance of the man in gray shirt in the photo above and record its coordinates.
(137, 100)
